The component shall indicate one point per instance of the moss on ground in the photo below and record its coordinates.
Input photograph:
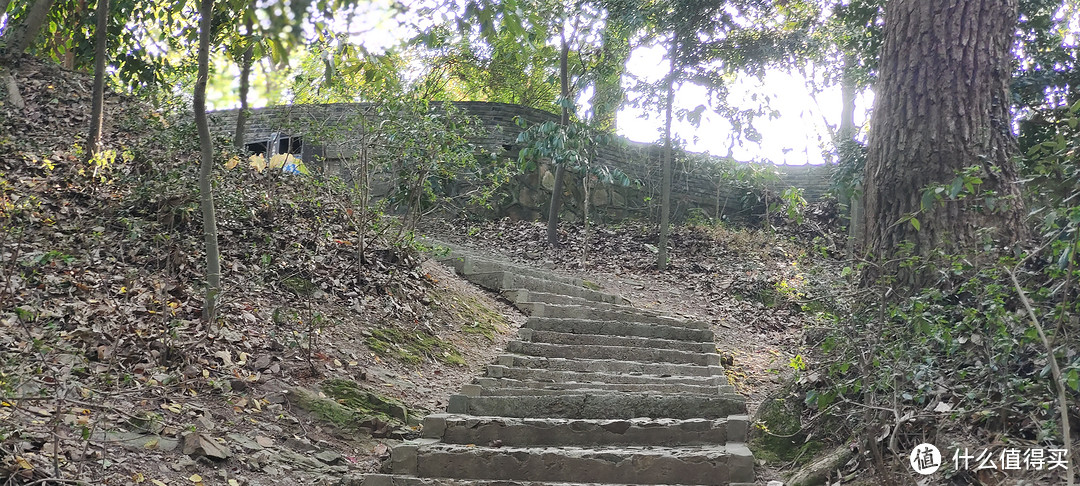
(778, 438)
(325, 409)
(363, 402)
(412, 346)
(476, 317)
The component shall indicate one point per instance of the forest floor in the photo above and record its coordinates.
(323, 357)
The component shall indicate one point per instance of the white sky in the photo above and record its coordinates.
(794, 138)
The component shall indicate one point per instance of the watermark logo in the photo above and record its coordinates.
(925, 459)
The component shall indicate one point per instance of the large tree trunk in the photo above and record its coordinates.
(20, 36)
(665, 188)
(97, 105)
(245, 86)
(206, 165)
(941, 105)
(560, 169)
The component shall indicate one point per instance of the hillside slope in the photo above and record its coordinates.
(108, 375)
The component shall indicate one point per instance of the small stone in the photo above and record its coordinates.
(198, 444)
(329, 457)
(246, 442)
(262, 362)
(299, 444)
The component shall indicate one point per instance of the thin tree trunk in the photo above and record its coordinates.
(942, 105)
(585, 211)
(97, 105)
(845, 149)
(608, 94)
(560, 168)
(665, 189)
(206, 165)
(846, 131)
(12, 88)
(19, 37)
(245, 86)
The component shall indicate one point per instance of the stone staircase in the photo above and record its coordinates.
(593, 391)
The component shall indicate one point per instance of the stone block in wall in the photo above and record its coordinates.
(599, 197)
(547, 178)
(529, 198)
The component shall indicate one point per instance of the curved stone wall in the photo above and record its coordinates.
(693, 186)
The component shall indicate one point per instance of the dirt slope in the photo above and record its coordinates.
(109, 376)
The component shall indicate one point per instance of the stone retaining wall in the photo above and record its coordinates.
(528, 197)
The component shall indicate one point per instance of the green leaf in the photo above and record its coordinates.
(1072, 378)
(957, 186)
(928, 198)
(845, 272)
(915, 223)
(1063, 262)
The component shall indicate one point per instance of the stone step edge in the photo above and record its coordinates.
(617, 327)
(542, 309)
(588, 433)
(509, 387)
(557, 337)
(405, 458)
(465, 265)
(536, 297)
(619, 353)
(507, 279)
(537, 374)
(403, 480)
(509, 359)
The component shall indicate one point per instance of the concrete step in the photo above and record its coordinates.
(620, 353)
(527, 296)
(609, 405)
(573, 311)
(703, 465)
(503, 386)
(543, 432)
(606, 366)
(565, 338)
(558, 376)
(502, 280)
(466, 265)
(619, 328)
(398, 480)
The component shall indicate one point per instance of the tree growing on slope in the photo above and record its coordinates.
(941, 117)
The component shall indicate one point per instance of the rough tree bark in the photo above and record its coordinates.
(941, 105)
(665, 188)
(560, 169)
(97, 105)
(206, 165)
